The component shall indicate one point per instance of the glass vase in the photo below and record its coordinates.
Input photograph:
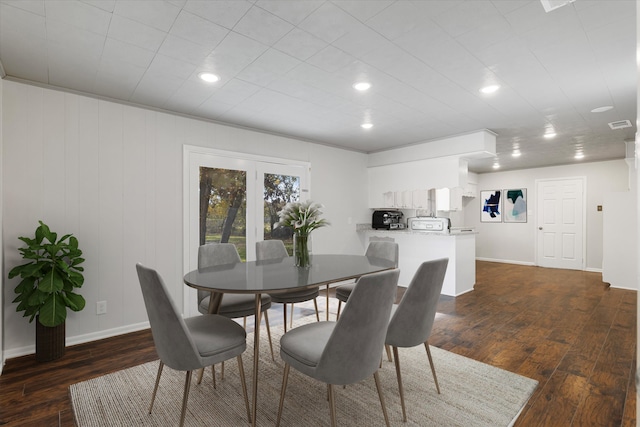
(302, 249)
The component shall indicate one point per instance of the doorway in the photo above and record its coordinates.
(561, 224)
(234, 198)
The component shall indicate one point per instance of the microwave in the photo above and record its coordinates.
(387, 220)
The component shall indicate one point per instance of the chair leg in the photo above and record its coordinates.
(332, 405)
(284, 316)
(266, 322)
(244, 387)
(155, 389)
(433, 368)
(386, 347)
(213, 373)
(285, 378)
(291, 321)
(200, 375)
(338, 313)
(315, 303)
(400, 388)
(187, 386)
(376, 377)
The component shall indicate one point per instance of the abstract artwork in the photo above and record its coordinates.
(515, 205)
(491, 205)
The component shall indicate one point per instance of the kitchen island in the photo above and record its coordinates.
(417, 247)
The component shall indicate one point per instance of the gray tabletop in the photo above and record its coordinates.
(282, 275)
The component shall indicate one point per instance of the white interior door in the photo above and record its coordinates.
(560, 227)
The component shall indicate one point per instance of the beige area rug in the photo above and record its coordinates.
(473, 394)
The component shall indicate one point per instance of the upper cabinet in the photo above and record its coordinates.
(449, 199)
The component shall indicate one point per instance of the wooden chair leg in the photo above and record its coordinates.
(332, 405)
(285, 378)
(213, 373)
(284, 316)
(244, 387)
(291, 321)
(155, 389)
(185, 398)
(266, 322)
(315, 303)
(200, 375)
(386, 347)
(376, 377)
(338, 313)
(400, 388)
(433, 368)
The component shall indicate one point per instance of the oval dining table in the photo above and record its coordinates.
(274, 276)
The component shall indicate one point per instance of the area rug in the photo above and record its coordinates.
(473, 394)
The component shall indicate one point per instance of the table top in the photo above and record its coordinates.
(281, 275)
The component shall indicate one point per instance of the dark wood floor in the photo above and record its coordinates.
(566, 329)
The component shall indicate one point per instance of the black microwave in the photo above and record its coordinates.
(387, 220)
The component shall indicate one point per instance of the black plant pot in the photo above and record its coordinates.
(50, 342)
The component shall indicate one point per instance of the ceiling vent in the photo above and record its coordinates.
(620, 124)
(550, 5)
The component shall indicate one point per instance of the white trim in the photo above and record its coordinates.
(81, 339)
(506, 261)
(593, 270)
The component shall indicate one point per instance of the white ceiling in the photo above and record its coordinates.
(288, 67)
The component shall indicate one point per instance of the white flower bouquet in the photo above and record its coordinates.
(303, 217)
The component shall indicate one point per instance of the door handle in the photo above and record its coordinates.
(539, 228)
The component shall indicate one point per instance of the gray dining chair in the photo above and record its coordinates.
(232, 305)
(412, 319)
(191, 343)
(348, 350)
(376, 249)
(275, 249)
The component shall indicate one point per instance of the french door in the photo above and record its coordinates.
(234, 198)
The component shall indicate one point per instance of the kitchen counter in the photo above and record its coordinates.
(415, 247)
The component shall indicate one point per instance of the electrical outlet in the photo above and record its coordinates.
(101, 307)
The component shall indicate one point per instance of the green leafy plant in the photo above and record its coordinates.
(50, 277)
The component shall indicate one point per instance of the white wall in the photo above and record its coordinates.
(515, 242)
(112, 175)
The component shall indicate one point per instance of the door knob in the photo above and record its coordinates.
(539, 228)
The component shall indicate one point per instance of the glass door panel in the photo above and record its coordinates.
(278, 190)
(223, 207)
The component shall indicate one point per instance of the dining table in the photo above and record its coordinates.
(279, 275)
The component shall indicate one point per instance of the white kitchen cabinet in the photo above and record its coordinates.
(421, 199)
(388, 200)
(449, 199)
(470, 190)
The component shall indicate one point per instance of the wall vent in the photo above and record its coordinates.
(620, 124)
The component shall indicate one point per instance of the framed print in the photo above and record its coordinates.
(491, 206)
(515, 205)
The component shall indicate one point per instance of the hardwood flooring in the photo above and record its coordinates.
(566, 329)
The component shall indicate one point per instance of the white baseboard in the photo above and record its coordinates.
(505, 261)
(79, 339)
(593, 270)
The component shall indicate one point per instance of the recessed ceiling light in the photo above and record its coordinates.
(366, 125)
(579, 155)
(516, 153)
(496, 165)
(209, 77)
(490, 89)
(550, 135)
(602, 109)
(362, 86)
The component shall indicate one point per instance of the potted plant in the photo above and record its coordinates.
(46, 290)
